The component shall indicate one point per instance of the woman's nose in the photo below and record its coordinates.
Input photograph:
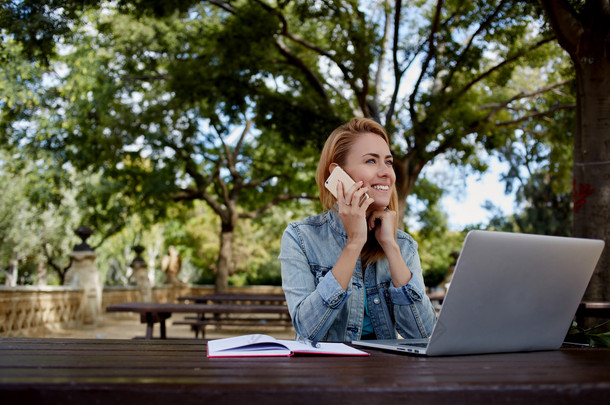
(385, 171)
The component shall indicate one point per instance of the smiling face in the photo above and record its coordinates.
(369, 159)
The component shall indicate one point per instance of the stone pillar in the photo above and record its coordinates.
(140, 271)
(83, 273)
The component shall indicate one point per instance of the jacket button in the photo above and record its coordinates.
(376, 300)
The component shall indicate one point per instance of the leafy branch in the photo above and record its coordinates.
(594, 339)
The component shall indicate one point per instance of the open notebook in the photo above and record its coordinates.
(257, 345)
(510, 292)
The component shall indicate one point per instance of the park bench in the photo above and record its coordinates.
(152, 312)
(245, 311)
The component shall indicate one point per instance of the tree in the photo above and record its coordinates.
(540, 163)
(582, 28)
(127, 110)
(545, 211)
(16, 243)
(59, 197)
(466, 53)
(298, 69)
(250, 187)
(33, 228)
(327, 62)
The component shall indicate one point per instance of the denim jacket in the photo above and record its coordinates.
(321, 310)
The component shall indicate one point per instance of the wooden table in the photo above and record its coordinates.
(70, 371)
(151, 313)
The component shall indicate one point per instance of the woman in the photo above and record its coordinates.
(348, 274)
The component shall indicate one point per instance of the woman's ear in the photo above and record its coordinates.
(331, 167)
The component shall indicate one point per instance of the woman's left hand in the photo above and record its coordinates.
(383, 222)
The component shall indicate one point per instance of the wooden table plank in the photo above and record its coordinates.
(119, 371)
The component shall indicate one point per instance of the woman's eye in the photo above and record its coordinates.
(390, 163)
(370, 161)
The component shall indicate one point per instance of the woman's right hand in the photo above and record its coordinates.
(353, 204)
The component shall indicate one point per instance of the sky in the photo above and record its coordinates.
(466, 195)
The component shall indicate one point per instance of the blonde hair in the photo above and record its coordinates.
(335, 150)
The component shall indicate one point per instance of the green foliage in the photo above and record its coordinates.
(258, 244)
(591, 336)
(38, 214)
(540, 157)
(16, 216)
(304, 67)
(546, 212)
(37, 23)
(146, 100)
(193, 231)
(438, 252)
(431, 218)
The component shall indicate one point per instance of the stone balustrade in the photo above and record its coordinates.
(30, 311)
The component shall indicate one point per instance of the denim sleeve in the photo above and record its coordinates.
(313, 308)
(414, 313)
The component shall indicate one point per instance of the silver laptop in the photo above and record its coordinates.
(510, 292)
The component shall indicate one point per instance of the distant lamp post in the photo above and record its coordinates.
(140, 270)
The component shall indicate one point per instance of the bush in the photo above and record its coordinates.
(433, 277)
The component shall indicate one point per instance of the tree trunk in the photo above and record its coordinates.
(224, 264)
(592, 164)
(585, 35)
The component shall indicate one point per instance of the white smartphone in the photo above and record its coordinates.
(339, 174)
